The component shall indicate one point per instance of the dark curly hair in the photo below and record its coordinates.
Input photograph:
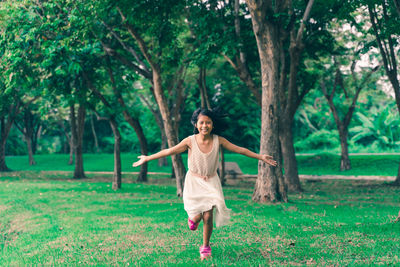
(217, 117)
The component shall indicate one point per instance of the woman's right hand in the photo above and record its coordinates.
(142, 159)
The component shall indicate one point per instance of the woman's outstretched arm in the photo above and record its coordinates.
(244, 151)
(179, 148)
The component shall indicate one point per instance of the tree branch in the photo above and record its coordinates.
(304, 19)
(139, 40)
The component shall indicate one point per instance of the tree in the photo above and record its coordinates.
(269, 184)
(29, 125)
(19, 80)
(150, 46)
(350, 99)
(385, 27)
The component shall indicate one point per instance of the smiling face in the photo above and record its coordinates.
(204, 124)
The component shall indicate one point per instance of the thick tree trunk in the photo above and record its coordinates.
(291, 175)
(344, 158)
(77, 128)
(270, 184)
(117, 155)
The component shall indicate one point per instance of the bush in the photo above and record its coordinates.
(318, 140)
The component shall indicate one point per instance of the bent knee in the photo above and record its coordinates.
(207, 216)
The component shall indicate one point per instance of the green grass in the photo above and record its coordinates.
(319, 164)
(51, 220)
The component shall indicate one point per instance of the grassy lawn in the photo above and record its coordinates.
(320, 164)
(56, 221)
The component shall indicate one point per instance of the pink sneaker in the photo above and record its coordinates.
(205, 252)
(192, 225)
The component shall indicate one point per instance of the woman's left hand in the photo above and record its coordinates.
(269, 160)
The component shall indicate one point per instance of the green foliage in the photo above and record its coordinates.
(380, 127)
(15, 144)
(318, 140)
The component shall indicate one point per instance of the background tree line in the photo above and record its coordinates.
(112, 76)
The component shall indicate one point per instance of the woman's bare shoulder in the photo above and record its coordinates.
(222, 140)
(187, 141)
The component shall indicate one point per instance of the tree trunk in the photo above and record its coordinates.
(29, 132)
(5, 130)
(162, 162)
(205, 102)
(162, 103)
(96, 142)
(177, 162)
(289, 158)
(30, 151)
(77, 127)
(117, 155)
(135, 123)
(36, 137)
(222, 174)
(397, 181)
(27, 129)
(344, 158)
(270, 185)
(3, 165)
(386, 44)
(71, 151)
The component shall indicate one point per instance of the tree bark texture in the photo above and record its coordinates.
(77, 128)
(117, 177)
(291, 175)
(270, 184)
(205, 102)
(345, 163)
(162, 162)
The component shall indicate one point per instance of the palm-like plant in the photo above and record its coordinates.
(380, 126)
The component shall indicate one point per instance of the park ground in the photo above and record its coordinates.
(46, 218)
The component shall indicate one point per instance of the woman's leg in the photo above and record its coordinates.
(197, 218)
(207, 226)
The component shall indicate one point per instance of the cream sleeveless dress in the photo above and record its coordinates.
(203, 190)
